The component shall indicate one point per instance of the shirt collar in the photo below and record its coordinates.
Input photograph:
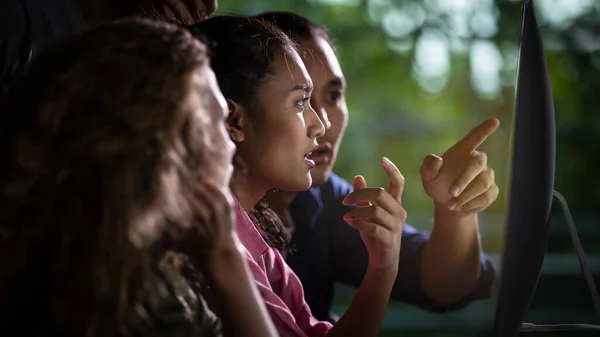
(248, 234)
(308, 203)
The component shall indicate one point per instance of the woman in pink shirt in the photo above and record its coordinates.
(274, 128)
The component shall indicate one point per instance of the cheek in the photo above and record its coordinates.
(339, 120)
(278, 141)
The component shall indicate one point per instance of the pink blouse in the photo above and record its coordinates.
(279, 286)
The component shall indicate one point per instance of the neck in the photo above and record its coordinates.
(280, 200)
(246, 193)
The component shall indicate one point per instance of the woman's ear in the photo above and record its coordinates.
(235, 121)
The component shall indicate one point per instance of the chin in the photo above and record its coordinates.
(299, 185)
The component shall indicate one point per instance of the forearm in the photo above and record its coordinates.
(365, 314)
(450, 260)
(242, 310)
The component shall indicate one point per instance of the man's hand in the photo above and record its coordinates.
(460, 180)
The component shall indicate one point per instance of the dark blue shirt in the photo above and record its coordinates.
(328, 250)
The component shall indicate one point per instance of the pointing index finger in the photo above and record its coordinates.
(396, 186)
(477, 135)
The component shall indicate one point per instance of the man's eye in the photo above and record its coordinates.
(335, 96)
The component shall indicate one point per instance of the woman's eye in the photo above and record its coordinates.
(302, 102)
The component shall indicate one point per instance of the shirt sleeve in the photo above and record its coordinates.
(288, 287)
(169, 307)
(349, 259)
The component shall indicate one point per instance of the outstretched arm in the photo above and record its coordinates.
(450, 260)
(349, 259)
(461, 185)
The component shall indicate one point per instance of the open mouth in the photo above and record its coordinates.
(310, 153)
(307, 157)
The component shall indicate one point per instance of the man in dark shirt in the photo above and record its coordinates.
(26, 26)
(439, 271)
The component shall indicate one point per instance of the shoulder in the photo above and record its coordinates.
(336, 187)
(168, 306)
(248, 234)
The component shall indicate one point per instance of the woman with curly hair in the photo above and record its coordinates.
(115, 179)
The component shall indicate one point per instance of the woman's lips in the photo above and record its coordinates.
(311, 163)
(308, 160)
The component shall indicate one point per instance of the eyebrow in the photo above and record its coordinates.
(337, 82)
(302, 87)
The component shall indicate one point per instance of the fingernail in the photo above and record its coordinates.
(345, 201)
(386, 161)
(454, 191)
(451, 204)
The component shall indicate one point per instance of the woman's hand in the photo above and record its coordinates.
(210, 241)
(379, 217)
(210, 233)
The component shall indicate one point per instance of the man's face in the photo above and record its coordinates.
(328, 101)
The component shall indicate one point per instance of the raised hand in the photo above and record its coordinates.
(460, 180)
(211, 226)
(379, 216)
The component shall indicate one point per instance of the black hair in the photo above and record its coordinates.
(242, 52)
(296, 27)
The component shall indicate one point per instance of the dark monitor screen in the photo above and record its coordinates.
(531, 180)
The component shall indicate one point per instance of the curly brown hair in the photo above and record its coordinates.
(100, 146)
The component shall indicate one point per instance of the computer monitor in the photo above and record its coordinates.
(531, 181)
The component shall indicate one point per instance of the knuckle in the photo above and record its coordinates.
(372, 230)
(490, 172)
(376, 212)
(495, 190)
(379, 192)
(488, 183)
(480, 158)
(402, 214)
(488, 198)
